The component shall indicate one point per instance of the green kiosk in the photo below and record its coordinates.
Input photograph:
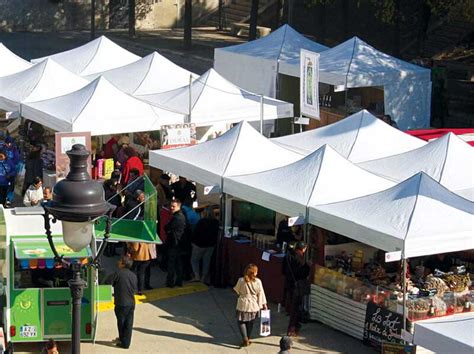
(35, 297)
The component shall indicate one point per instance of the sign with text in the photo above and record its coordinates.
(382, 325)
(178, 135)
(64, 142)
(309, 83)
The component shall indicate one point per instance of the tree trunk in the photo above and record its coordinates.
(131, 18)
(397, 48)
(92, 19)
(188, 23)
(291, 6)
(253, 20)
(277, 14)
(345, 11)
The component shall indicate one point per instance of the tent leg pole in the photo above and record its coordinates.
(261, 114)
(404, 282)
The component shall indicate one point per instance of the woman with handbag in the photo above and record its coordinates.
(296, 271)
(251, 300)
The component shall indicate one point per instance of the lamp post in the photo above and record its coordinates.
(77, 202)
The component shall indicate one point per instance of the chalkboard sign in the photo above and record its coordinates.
(382, 325)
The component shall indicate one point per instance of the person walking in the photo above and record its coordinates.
(175, 229)
(204, 241)
(33, 166)
(124, 282)
(34, 194)
(251, 300)
(296, 271)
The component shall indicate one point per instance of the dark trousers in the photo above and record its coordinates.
(294, 302)
(175, 267)
(124, 316)
(140, 267)
(245, 328)
(3, 194)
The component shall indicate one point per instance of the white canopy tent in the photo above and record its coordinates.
(446, 335)
(321, 177)
(359, 137)
(216, 100)
(96, 56)
(240, 150)
(354, 63)
(151, 74)
(418, 217)
(448, 160)
(44, 80)
(11, 63)
(255, 65)
(100, 108)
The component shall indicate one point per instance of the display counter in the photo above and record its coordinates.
(237, 254)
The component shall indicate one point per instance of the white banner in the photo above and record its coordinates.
(309, 82)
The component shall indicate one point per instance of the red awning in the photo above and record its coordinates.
(467, 134)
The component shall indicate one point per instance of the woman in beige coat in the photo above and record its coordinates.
(251, 300)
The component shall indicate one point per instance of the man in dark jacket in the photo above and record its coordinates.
(296, 271)
(124, 282)
(175, 233)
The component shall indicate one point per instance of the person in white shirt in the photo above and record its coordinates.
(34, 193)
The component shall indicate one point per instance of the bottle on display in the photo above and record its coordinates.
(431, 311)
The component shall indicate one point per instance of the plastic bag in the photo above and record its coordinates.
(265, 324)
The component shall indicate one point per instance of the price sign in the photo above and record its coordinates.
(381, 325)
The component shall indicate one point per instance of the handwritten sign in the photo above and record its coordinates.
(381, 325)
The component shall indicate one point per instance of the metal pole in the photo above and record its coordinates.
(404, 263)
(76, 285)
(261, 114)
(92, 19)
(190, 103)
(219, 26)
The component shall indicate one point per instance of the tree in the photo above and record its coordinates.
(188, 24)
(253, 20)
(131, 18)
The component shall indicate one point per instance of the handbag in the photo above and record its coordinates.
(265, 323)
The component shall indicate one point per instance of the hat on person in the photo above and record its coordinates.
(300, 245)
(286, 343)
(124, 140)
(165, 176)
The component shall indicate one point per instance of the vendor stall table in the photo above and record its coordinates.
(236, 256)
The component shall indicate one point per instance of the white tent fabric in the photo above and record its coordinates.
(100, 108)
(354, 63)
(254, 66)
(96, 56)
(10, 63)
(320, 178)
(359, 137)
(216, 100)
(151, 74)
(44, 80)
(418, 216)
(240, 150)
(446, 335)
(448, 160)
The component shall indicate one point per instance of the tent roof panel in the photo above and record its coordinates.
(98, 55)
(10, 63)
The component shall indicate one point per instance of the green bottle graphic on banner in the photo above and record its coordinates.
(309, 83)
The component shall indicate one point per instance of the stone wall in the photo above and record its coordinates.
(50, 15)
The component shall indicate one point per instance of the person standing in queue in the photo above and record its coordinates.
(175, 229)
(124, 282)
(251, 300)
(296, 271)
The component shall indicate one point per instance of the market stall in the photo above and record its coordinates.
(448, 160)
(44, 80)
(359, 137)
(100, 108)
(212, 99)
(96, 56)
(255, 65)
(413, 219)
(10, 63)
(356, 64)
(148, 75)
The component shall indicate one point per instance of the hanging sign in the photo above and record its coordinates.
(309, 81)
(393, 256)
(178, 135)
(64, 142)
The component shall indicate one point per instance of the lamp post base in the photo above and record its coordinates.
(76, 285)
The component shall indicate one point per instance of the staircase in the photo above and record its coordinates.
(235, 13)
